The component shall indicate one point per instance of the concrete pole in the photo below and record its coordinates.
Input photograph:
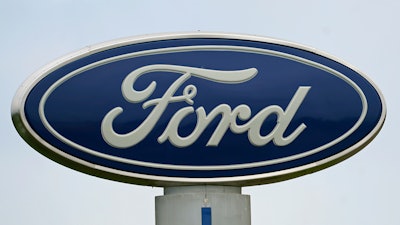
(203, 205)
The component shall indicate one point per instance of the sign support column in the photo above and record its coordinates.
(203, 205)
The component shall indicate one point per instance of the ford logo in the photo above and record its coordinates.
(198, 108)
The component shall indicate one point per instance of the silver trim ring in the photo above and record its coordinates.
(30, 136)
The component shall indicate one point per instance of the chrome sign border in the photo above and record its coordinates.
(31, 137)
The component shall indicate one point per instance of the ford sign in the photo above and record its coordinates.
(198, 108)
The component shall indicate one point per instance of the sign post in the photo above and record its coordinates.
(203, 205)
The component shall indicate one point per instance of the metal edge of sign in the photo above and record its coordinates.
(34, 140)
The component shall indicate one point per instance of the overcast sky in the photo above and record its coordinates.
(363, 190)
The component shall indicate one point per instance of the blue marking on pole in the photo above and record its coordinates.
(206, 216)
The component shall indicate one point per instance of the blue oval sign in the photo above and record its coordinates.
(198, 108)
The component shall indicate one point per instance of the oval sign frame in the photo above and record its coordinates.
(26, 130)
